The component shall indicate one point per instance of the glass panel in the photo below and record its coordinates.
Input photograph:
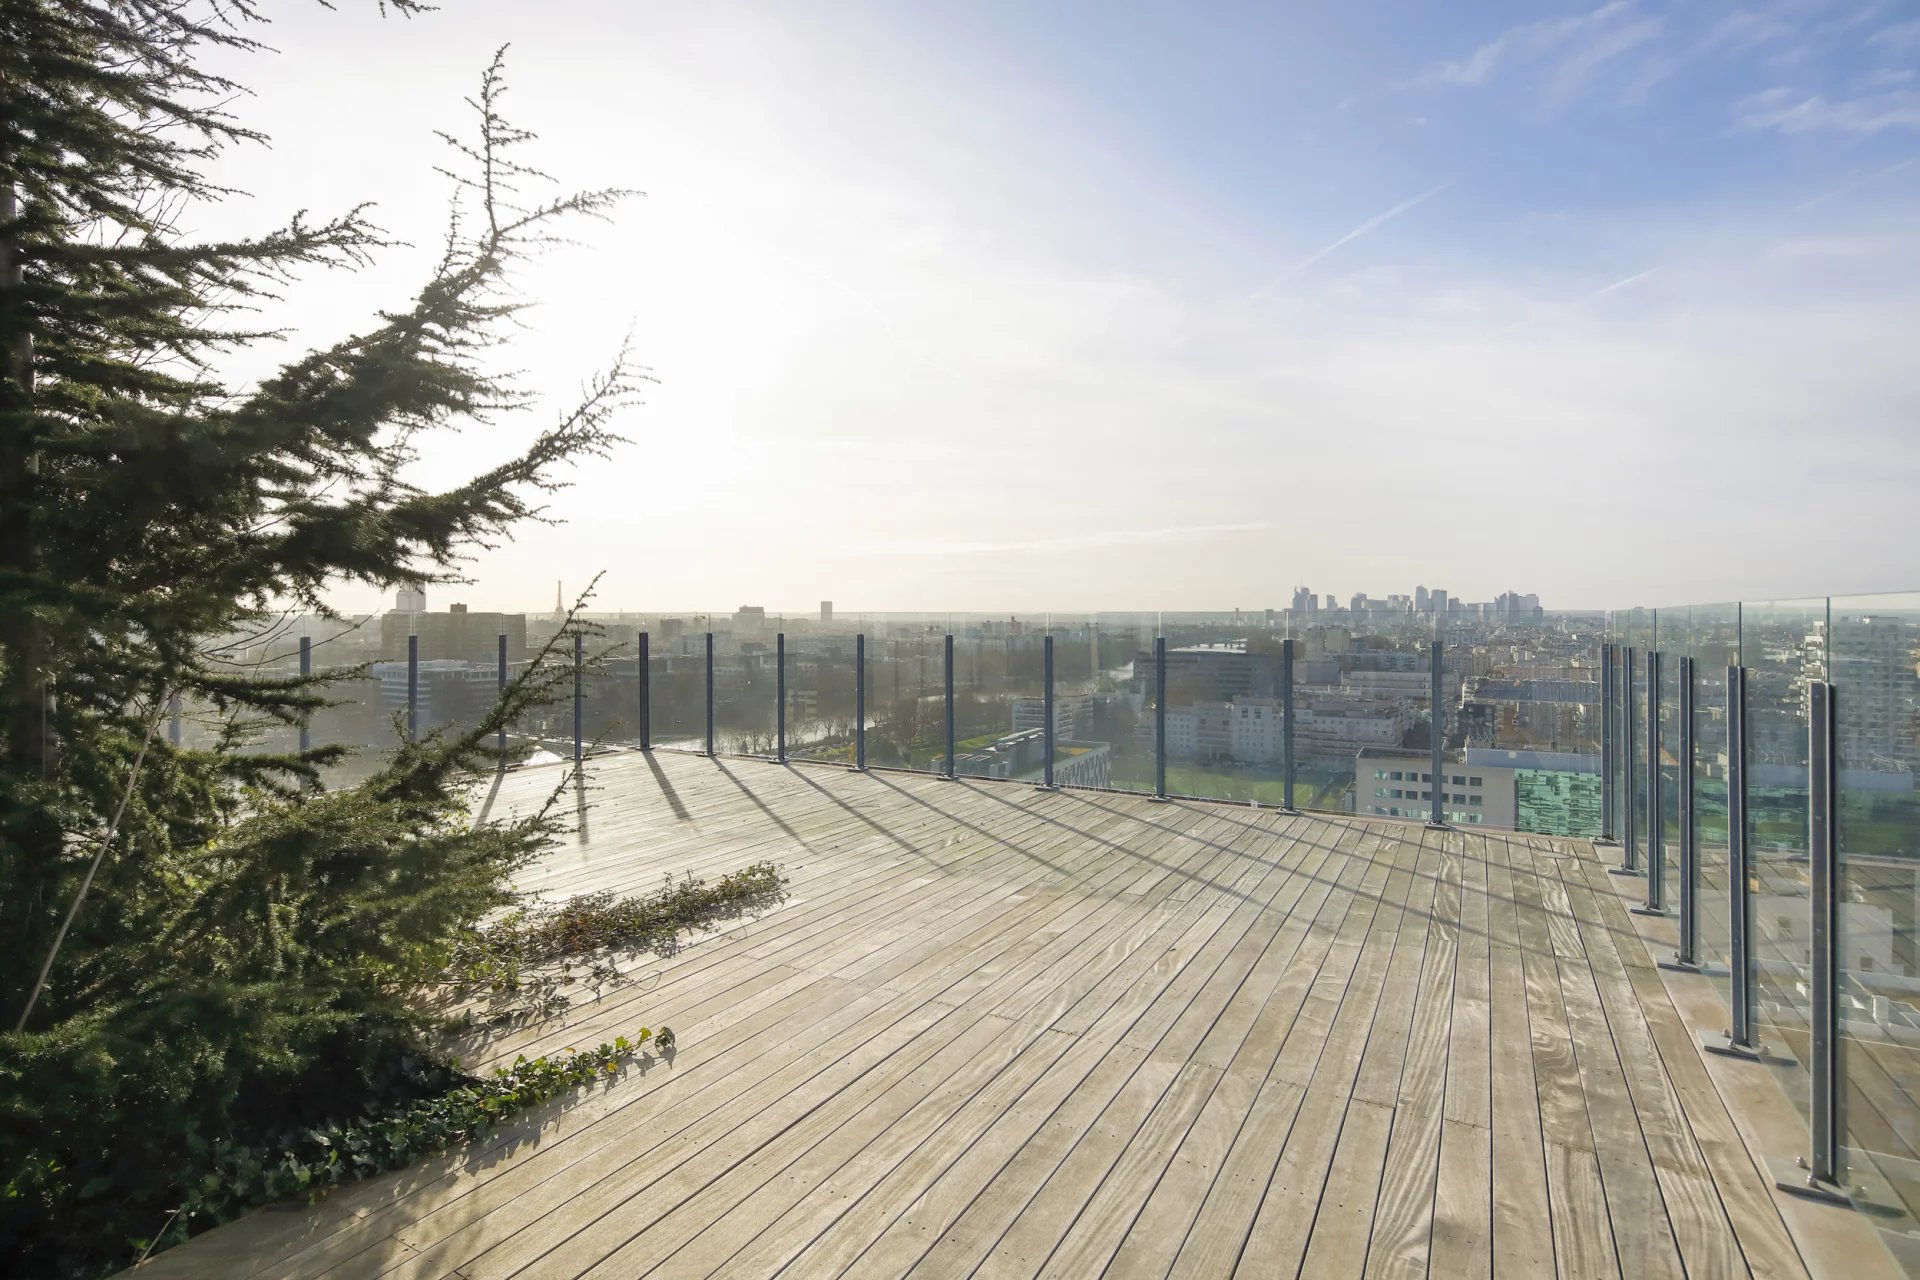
(1774, 647)
(1868, 651)
(999, 719)
(1713, 642)
(907, 690)
(745, 684)
(1373, 707)
(1223, 705)
(676, 675)
(1532, 721)
(1670, 637)
(1122, 712)
(1105, 734)
(820, 690)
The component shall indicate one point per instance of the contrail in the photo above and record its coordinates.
(1635, 278)
(1371, 224)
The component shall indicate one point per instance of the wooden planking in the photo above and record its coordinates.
(1003, 1032)
(950, 985)
(1403, 1227)
(1522, 1216)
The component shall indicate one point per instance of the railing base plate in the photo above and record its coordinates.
(1717, 1042)
(1791, 1176)
(1624, 871)
(1648, 911)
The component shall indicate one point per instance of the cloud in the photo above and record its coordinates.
(1371, 224)
(1572, 76)
(1523, 45)
(1901, 35)
(1746, 29)
(1070, 542)
(1788, 112)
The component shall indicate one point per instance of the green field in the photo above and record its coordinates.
(1225, 782)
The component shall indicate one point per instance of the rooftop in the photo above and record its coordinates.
(998, 1030)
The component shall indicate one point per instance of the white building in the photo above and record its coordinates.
(1399, 784)
(1072, 715)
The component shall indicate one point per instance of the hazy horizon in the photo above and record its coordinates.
(980, 305)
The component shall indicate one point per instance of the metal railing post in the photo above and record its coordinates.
(710, 750)
(1737, 1039)
(1687, 955)
(949, 656)
(1820, 1173)
(645, 661)
(780, 697)
(413, 687)
(1160, 717)
(1655, 904)
(860, 701)
(306, 671)
(579, 651)
(1606, 744)
(173, 718)
(500, 686)
(1437, 737)
(1286, 723)
(1629, 834)
(1046, 703)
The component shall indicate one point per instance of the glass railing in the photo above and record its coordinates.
(1526, 741)
(1867, 646)
(1827, 962)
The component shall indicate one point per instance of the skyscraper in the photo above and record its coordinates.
(826, 611)
(1420, 600)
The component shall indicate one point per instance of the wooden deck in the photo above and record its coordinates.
(1002, 1032)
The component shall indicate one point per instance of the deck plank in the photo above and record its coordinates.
(1005, 1032)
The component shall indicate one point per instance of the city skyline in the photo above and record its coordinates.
(967, 305)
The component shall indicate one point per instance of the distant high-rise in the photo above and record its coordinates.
(411, 598)
(1358, 603)
(826, 611)
(1303, 600)
(1421, 600)
(1437, 600)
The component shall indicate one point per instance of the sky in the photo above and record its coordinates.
(1012, 306)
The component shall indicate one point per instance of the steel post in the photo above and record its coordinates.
(1286, 722)
(860, 701)
(1046, 704)
(949, 657)
(1160, 717)
(1629, 827)
(413, 687)
(1437, 736)
(710, 750)
(306, 672)
(1655, 904)
(1606, 744)
(645, 665)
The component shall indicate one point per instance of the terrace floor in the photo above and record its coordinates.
(1006, 1032)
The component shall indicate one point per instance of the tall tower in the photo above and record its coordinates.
(559, 610)
(411, 598)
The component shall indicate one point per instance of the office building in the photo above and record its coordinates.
(456, 634)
